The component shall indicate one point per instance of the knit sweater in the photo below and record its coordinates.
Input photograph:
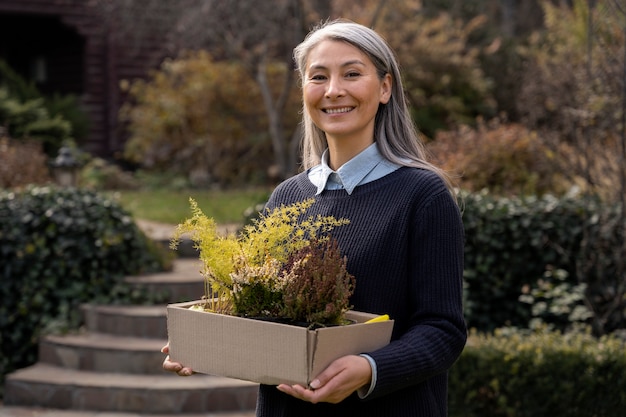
(404, 245)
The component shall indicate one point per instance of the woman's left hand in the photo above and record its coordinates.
(340, 379)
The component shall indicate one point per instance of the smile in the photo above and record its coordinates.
(337, 111)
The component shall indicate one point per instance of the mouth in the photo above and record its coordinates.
(338, 110)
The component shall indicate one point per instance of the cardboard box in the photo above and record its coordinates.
(262, 351)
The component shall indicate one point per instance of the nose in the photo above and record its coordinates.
(334, 87)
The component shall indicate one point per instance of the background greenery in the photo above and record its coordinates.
(172, 206)
(519, 373)
(60, 248)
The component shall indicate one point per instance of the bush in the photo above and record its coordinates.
(60, 248)
(509, 244)
(513, 245)
(26, 113)
(16, 85)
(522, 373)
(506, 159)
(14, 172)
(186, 121)
(98, 174)
(31, 120)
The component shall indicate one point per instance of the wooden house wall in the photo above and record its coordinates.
(107, 58)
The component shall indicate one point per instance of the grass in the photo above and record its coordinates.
(172, 206)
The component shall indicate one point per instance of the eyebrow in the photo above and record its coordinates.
(345, 64)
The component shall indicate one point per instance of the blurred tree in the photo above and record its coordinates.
(574, 92)
(258, 35)
(444, 82)
(186, 120)
(440, 44)
(573, 86)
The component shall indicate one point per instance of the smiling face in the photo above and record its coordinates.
(342, 92)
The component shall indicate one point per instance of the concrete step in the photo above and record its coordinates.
(43, 412)
(133, 320)
(183, 283)
(51, 387)
(98, 352)
(113, 367)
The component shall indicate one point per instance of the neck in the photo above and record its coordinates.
(339, 153)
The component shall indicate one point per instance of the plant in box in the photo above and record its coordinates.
(284, 265)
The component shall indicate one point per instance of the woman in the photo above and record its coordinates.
(404, 243)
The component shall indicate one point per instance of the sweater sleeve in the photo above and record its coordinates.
(436, 332)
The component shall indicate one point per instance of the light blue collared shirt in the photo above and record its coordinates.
(367, 166)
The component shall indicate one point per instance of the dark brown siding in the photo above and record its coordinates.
(84, 55)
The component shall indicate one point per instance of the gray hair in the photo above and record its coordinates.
(395, 133)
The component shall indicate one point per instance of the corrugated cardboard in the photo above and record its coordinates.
(262, 351)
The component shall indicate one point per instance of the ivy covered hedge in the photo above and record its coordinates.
(514, 245)
(60, 248)
(520, 373)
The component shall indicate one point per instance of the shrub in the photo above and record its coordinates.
(25, 112)
(556, 302)
(60, 248)
(31, 120)
(185, 120)
(509, 244)
(98, 174)
(280, 266)
(543, 373)
(506, 159)
(514, 244)
(14, 172)
(318, 287)
(16, 85)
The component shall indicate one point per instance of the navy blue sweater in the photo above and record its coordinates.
(404, 245)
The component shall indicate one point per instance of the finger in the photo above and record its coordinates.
(185, 372)
(334, 369)
(168, 365)
(299, 392)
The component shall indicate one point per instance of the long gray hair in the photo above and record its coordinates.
(395, 133)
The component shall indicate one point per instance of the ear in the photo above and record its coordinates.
(385, 88)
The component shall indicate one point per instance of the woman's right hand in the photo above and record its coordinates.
(168, 365)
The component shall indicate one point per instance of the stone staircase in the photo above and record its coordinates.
(113, 367)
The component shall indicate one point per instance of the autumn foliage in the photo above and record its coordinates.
(199, 118)
(505, 159)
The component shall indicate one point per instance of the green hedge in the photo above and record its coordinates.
(60, 248)
(512, 243)
(539, 374)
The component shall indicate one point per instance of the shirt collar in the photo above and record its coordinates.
(352, 173)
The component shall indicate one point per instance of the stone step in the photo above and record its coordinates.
(114, 366)
(183, 283)
(98, 352)
(43, 412)
(51, 387)
(132, 320)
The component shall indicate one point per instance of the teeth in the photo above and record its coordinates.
(335, 111)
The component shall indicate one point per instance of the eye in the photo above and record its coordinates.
(352, 74)
(317, 77)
